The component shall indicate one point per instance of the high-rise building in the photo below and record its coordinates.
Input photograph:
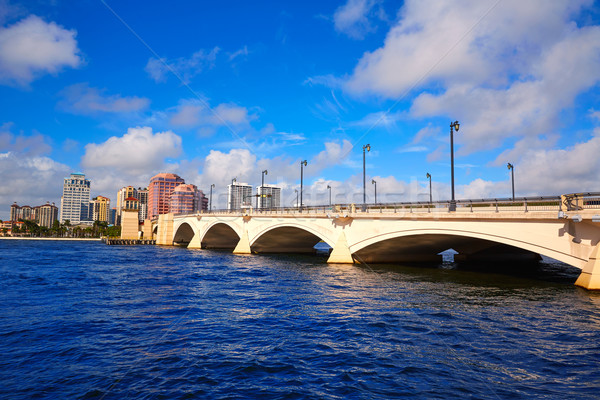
(75, 200)
(100, 209)
(203, 201)
(269, 196)
(160, 188)
(239, 196)
(46, 215)
(42, 215)
(184, 199)
(122, 194)
(142, 196)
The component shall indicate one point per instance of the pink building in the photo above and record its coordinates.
(185, 199)
(159, 191)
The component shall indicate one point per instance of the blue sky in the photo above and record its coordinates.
(215, 90)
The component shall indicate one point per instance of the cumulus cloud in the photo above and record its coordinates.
(32, 47)
(185, 68)
(505, 68)
(195, 113)
(83, 99)
(138, 151)
(352, 18)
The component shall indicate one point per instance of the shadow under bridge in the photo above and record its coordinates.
(427, 248)
(285, 239)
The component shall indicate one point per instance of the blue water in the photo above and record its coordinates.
(90, 321)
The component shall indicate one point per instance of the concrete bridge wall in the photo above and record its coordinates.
(396, 237)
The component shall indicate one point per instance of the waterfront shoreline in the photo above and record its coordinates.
(50, 238)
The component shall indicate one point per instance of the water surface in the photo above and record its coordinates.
(89, 321)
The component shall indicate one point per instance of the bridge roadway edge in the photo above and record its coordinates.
(573, 243)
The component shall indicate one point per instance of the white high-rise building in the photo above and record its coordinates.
(75, 200)
(239, 196)
(269, 196)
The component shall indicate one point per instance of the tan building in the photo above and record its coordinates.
(122, 194)
(100, 209)
(46, 215)
(130, 224)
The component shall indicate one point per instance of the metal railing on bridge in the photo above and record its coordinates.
(569, 202)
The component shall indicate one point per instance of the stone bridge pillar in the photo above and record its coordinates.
(164, 235)
(590, 275)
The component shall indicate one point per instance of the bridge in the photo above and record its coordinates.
(565, 228)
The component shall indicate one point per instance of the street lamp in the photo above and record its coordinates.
(374, 182)
(210, 203)
(512, 173)
(329, 187)
(368, 148)
(265, 172)
(302, 165)
(430, 197)
(296, 190)
(453, 127)
(234, 180)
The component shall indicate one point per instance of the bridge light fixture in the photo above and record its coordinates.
(512, 173)
(210, 201)
(576, 218)
(453, 127)
(366, 147)
(596, 218)
(430, 196)
(329, 187)
(265, 172)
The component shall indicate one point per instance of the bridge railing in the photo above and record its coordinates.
(570, 202)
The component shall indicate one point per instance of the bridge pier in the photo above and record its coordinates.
(195, 243)
(243, 246)
(341, 252)
(590, 275)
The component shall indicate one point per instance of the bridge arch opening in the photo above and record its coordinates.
(220, 236)
(184, 235)
(286, 239)
(427, 248)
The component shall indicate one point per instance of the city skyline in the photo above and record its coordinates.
(214, 92)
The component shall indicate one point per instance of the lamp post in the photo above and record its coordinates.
(374, 182)
(296, 190)
(430, 197)
(329, 187)
(453, 127)
(368, 148)
(234, 180)
(512, 173)
(265, 172)
(210, 202)
(302, 165)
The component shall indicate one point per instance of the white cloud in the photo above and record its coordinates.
(82, 99)
(32, 47)
(33, 145)
(184, 68)
(194, 113)
(136, 152)
(24, 165)
(352, 18)
(504, 69)
(240, 53)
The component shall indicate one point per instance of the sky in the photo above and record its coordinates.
(211, 91)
